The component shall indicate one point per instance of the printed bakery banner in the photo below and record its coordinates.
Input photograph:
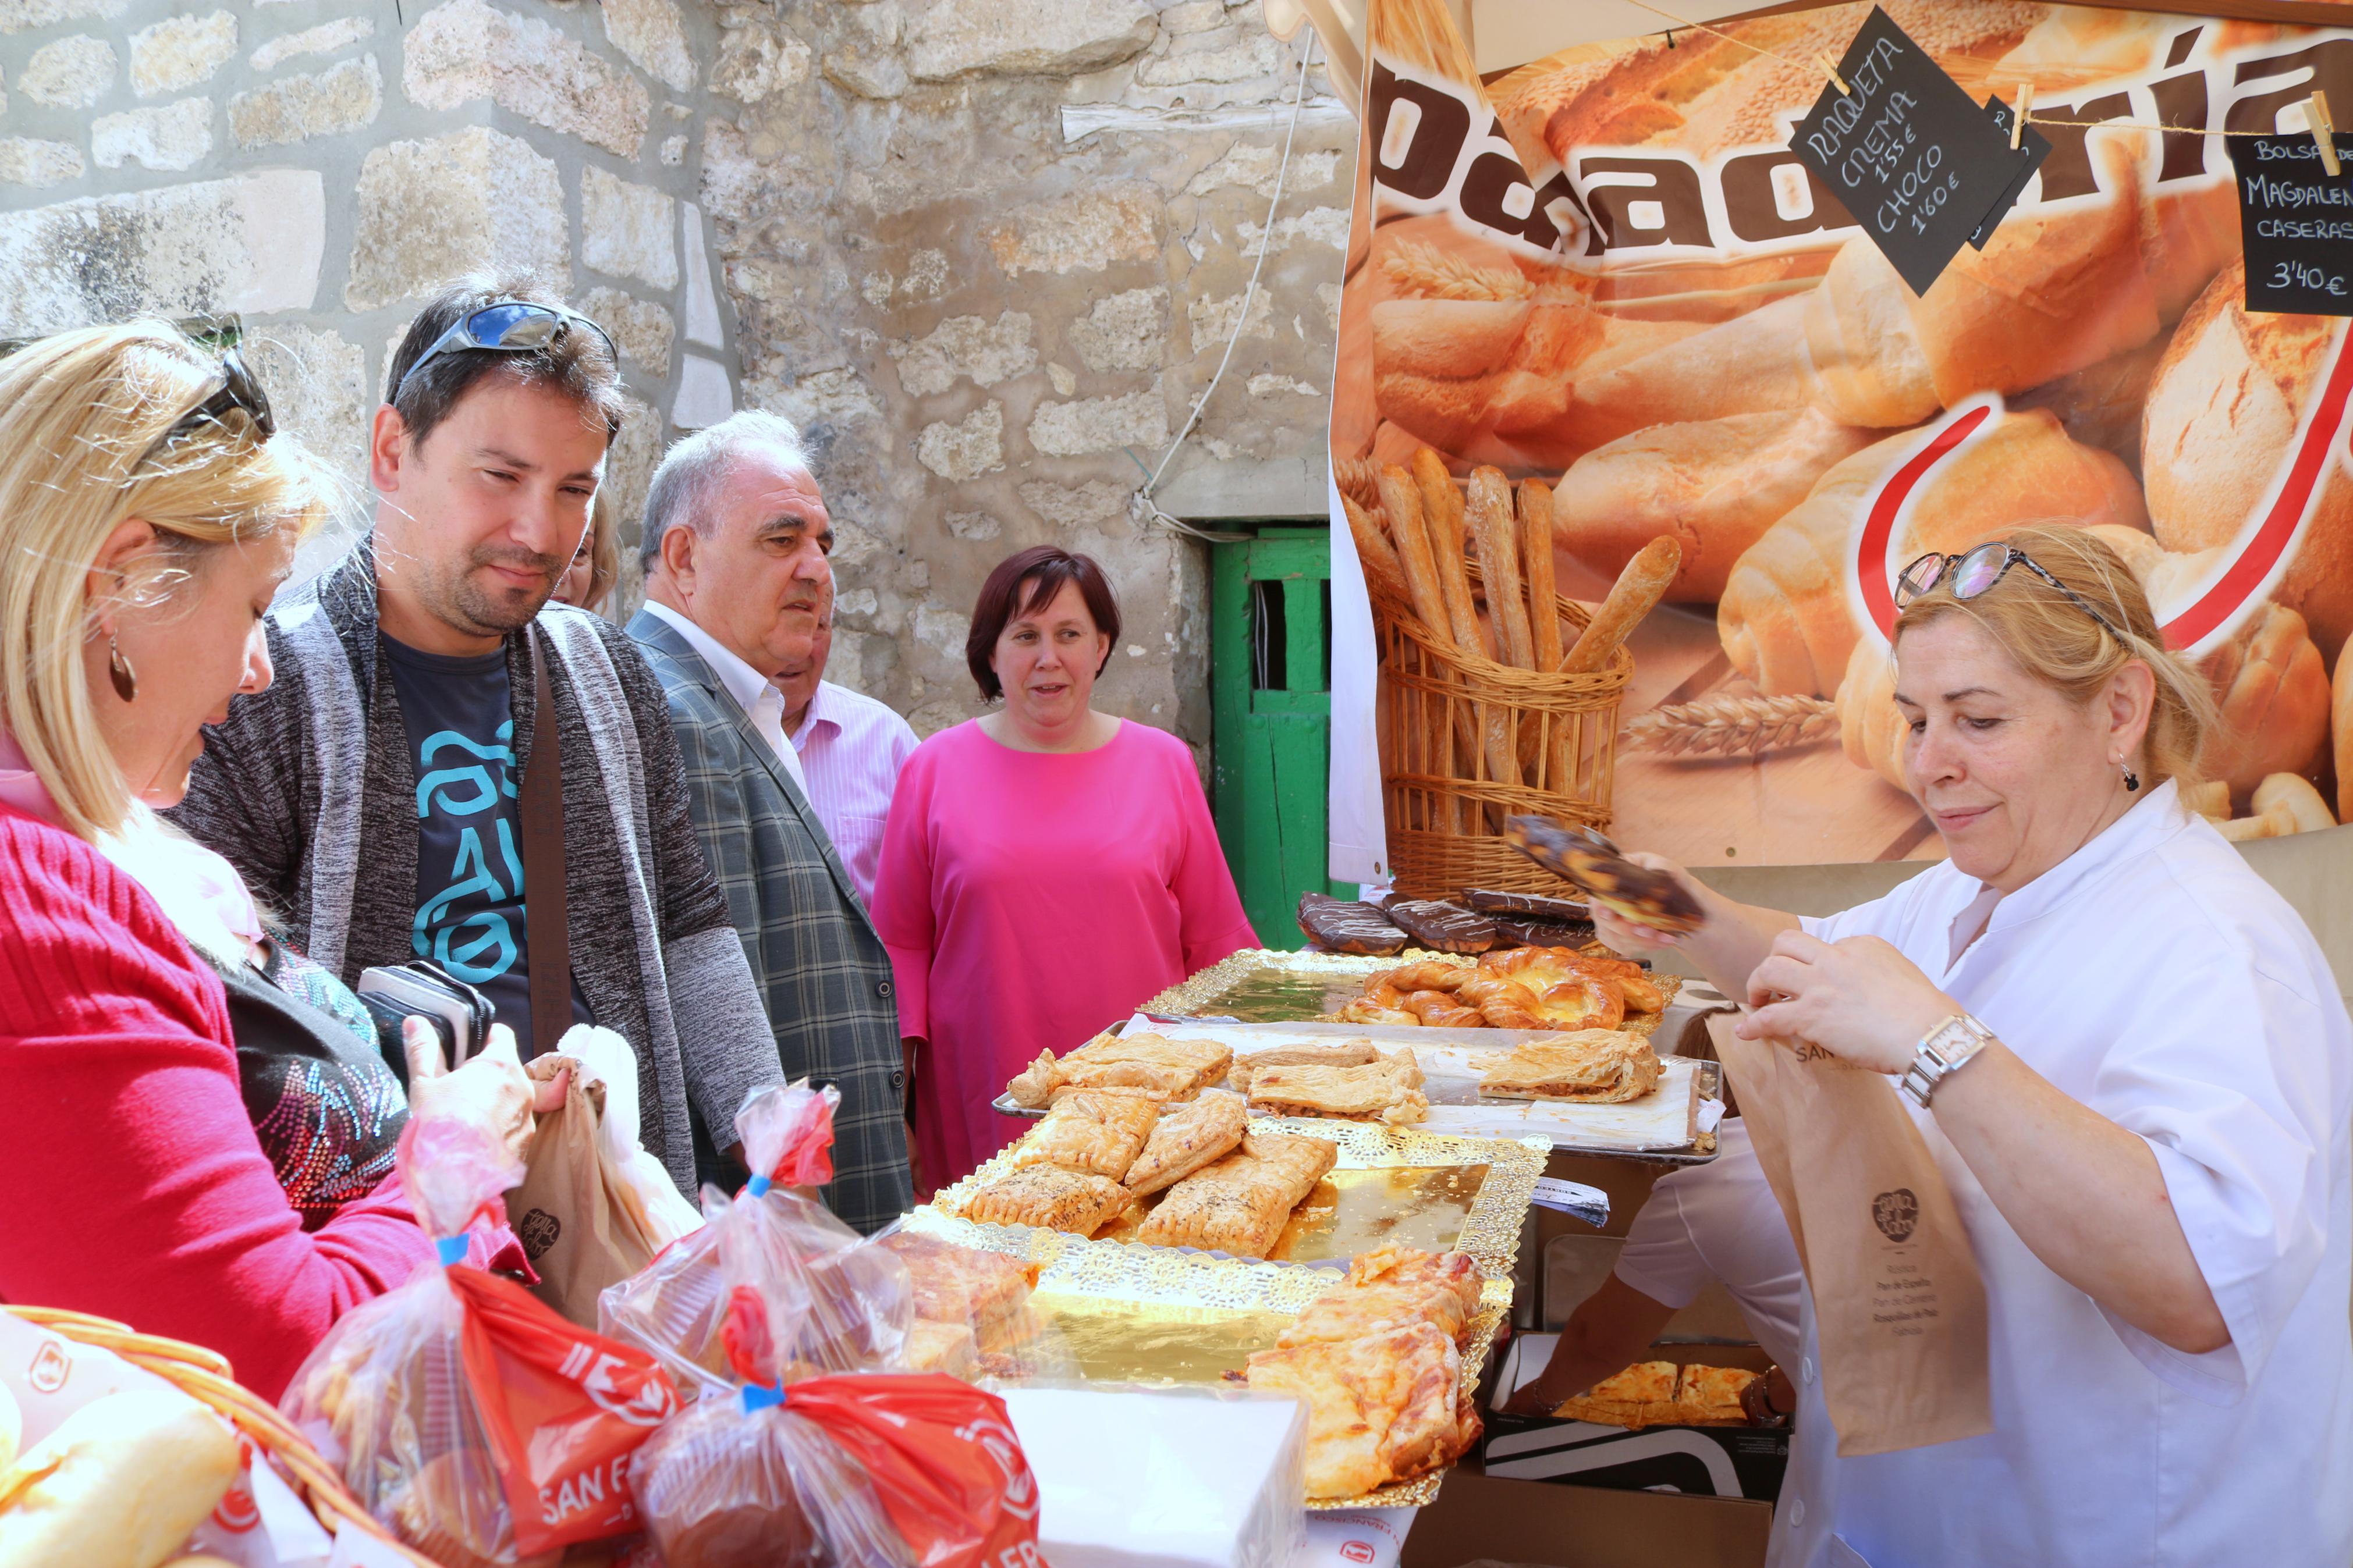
(1598, 300)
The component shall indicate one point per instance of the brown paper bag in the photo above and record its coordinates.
(580, 1225)
(1899, 1306)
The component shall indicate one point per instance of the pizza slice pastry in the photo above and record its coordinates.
(1390, 1289)
(1600, 1066)
(1382, 1409)
(1387, 1088)
(1100, 1132)
(1050, 1197)
(1641, 1395)
(1186, 1139)
(1710, 1396)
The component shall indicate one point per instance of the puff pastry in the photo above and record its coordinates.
(1710, 1396)
(961, 1284)
(1393, 1288)
(948, 1348)
(1387, 1088)
(1599, 1066)
(1335, 1054)
(1167, 1068)
(1095, 1131)
(1660, 1393)
(1240, 1203)
(1382, 1409)
(1186, 1139)
(1050, 1197)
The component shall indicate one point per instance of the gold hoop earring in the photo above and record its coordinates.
(126, 682)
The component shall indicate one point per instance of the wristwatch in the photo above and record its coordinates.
(1942, 1051)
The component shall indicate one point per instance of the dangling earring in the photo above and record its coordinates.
(2132, 781)
(126, 684)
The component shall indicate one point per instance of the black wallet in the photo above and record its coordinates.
(459, 1013)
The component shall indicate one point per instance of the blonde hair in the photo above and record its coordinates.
(83, 421)
(2055, 642)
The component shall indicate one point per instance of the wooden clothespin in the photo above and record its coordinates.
(2324, 131)
(1837, 81)
(2018, 120)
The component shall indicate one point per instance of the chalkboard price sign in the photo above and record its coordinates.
(1907, 152)
(2035, 145)
(2297, 221)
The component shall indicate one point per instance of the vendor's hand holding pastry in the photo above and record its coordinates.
(1859, 999)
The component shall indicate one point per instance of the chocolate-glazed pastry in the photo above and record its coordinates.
(1527, 906)
(1510, 933)
(1445, 928)
(1587, 859)
(1339, 925)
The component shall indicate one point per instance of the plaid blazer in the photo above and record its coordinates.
(819, 965)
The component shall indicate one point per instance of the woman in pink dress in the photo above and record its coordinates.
(1046, 868)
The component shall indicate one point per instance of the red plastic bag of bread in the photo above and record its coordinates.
(870, 1471)
(477, 1425)
(826, 1301)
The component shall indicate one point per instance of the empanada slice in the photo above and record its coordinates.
(1050, 1197)
(1641, 1395)
(1599, 1066)
(1089, 1131)
(1387, 1088)
(1335, 1054)
(1710, 1396)
(1185, 1140)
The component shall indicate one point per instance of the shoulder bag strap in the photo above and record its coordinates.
(543, 868)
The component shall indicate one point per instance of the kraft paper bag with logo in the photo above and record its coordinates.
(1899, 1305)
(580, 1225)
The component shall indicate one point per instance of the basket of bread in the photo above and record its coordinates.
(1499, 695)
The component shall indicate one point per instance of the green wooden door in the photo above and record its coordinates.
(1271, 700)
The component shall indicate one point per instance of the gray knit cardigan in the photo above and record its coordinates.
(309, 790)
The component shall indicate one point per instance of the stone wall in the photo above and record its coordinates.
(319, 165)
(987, 252)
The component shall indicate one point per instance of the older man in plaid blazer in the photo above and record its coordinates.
(736, 582)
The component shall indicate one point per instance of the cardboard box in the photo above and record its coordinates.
(1484, 1518)
(1730, 1462)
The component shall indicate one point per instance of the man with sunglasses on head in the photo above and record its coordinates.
(380, 793)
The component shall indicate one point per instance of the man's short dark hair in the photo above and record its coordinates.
(575, 364)
(1025, 583)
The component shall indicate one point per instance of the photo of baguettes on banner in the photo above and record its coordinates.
(1597, 298)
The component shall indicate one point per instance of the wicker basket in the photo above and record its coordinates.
(203, 1375)
(1467, 741)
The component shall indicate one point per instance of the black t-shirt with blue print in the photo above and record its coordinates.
(470, 882)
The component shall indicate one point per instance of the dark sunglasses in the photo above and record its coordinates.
(238, 390)
(507, 326)
(1973, 574)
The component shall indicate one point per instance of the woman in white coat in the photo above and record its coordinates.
(2134, 1068)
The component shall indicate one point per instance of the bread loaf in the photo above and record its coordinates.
(1378, 558)
(1442, 512)
(1754, 363)
(1715, 485)
(2221, 421)
(2340, 707)
(1784, 618)
(118, 1484)
(1871, 727)
(1536, 545)
(1401, 501)
(1640, 585)
(2275, 701)
(1488, 515)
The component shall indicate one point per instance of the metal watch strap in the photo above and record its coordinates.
(1940, 1054)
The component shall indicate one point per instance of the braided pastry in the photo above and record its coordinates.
(1427, 974)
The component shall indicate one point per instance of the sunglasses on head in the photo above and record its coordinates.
(1972, 573)
(504, 326)
(238, 390)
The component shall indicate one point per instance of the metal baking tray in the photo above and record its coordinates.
(1261, 985)
(1156, 1315)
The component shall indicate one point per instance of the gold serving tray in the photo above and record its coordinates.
(1260, 985)
(1155, 1315)
(1391, 1186)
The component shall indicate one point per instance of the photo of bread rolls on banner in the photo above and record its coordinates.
(1596, 300)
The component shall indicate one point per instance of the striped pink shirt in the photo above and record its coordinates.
(852, 748)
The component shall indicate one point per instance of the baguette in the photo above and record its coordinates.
(1375, 554)
(1536, 558)
(1636, 594)
(1754, 363)
(1489, 513)
(1442, 506)
(1402, 503)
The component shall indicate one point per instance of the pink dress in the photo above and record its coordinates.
(1030, 898)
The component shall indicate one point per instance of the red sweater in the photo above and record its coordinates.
(131, 1184)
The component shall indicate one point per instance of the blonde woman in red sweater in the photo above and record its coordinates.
(148, 513)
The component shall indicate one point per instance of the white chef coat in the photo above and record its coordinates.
(1720, 1221)
(2154, 977)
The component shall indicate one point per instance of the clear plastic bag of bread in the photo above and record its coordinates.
(879, 1470)
(832, 1302)
(449, 1401)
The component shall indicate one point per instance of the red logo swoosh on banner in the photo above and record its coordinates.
(2263, 553)
(1879, 529)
